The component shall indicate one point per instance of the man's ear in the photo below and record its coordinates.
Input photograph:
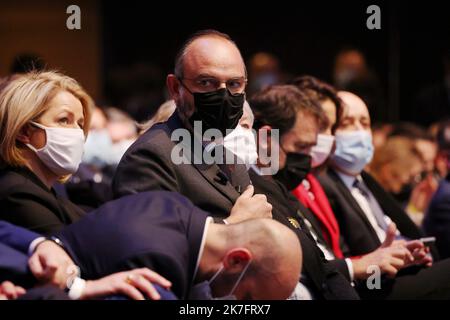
(25, 134)
(236, 259)
(265, 137)
(173, 85)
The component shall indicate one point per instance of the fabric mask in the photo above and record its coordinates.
(97, 148)
(241, 142)
(203, 291)
(354, 150)
(63, 150)
(322, 150)
(297, 166)
(217, 109)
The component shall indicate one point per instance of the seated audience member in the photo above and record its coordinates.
(437, 219)
(255, 259)
(397, 167)
(111, 132)
(44, 119)
(309, 192)
(420, 196)
(51, 266)
(274, 108)
(286, 109)
(208, 87)
(365, 211)
(110, 135)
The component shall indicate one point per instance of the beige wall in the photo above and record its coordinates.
(40, 27)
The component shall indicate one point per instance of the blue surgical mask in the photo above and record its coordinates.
(354, 150)
(97, 148)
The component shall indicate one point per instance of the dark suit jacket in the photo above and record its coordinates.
(147, 166)
(14, 244)
(158, 230)
(322, 277)
(358, 234)
(26, 201)
(437, 219)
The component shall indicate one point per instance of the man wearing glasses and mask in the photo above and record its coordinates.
(208, 87)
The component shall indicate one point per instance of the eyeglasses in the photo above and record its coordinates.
(208, 84)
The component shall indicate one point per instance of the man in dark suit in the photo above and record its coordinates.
(208, 88)
(437, 219)
(367, 214)
(286, 109)
(164, 231)
(50, 264)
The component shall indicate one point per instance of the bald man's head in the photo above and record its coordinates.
(207, 62)
(274, 258)
(355, 114)
(200, 43)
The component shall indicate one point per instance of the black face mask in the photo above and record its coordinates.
(218, 109)
(298, 165)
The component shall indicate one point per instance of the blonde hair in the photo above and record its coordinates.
(25, 98)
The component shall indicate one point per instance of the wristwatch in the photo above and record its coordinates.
(56, 240)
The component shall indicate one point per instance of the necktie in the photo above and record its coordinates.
(373, 204)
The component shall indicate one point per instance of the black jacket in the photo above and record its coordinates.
(358, 234)
(27, 202)
(322, 277)
(147, 166)
(162, 231)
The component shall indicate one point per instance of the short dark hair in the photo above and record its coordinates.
(178, 69)
(443, 136)
(320, 91)
(278, 105)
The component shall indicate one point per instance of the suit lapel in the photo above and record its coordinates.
(211, 172)
(218, 180)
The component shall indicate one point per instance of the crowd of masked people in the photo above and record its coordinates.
(315, 204)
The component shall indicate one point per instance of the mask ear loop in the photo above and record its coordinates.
(40, 126)
(216, 274)
(240, 277)
(184, 86)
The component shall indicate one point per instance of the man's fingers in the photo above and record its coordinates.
(414, 244)
(390, 271)
(154, 277)
(248, 193)
(9, 290)
(35, 266)
(390, 235)
(20, 291)
(146, 287)
(130, 291)
(397, 263)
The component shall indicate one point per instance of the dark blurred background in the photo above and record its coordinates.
(125, 48)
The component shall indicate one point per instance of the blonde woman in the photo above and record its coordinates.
(44, 119)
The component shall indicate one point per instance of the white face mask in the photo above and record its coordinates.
(242, 143)
(321, 151)
(63, 150)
